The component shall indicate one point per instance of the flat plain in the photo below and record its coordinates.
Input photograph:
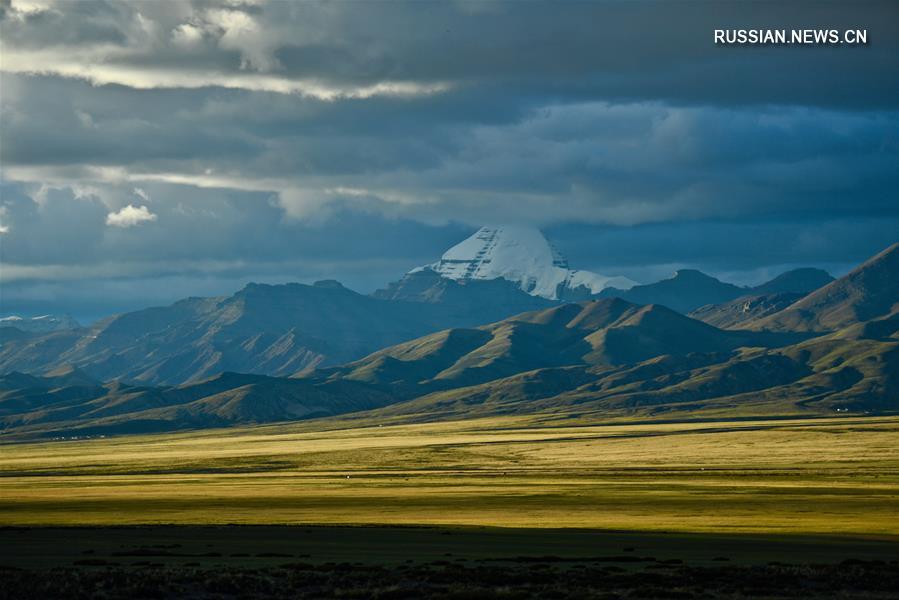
(834, 476)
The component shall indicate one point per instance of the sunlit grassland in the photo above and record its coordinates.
(836, 476)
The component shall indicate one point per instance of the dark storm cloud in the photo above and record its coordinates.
(82, 23)
(210, 225)
(738, 251)
(54, 121)
(603, 162)
(622, 51)
(282, 140)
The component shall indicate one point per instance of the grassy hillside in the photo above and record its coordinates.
(40, 408)
(852, 371)
(733, 314)
(838, 476)
(589, 361)
(262, 329)
(603, 333)
(868, 292)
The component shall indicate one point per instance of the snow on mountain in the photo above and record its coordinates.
(41, 324)
(523, 255)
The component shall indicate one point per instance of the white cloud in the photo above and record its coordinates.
(241, 32)
(302, 203)
(30, 7)
(98, 69)
(129, 216)
(187, 35)
(140, 193)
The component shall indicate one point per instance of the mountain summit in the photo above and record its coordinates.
(521, 255)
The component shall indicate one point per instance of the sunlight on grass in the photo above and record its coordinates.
(811, 476)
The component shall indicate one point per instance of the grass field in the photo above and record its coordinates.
(817, 476)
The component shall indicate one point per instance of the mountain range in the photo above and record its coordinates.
(264, 329)
(279, 330)
(689, 290)
(835, 349)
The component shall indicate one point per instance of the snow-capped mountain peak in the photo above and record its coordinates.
(41, 324)
(523, 255)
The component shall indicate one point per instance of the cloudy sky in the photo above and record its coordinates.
(162, 149)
